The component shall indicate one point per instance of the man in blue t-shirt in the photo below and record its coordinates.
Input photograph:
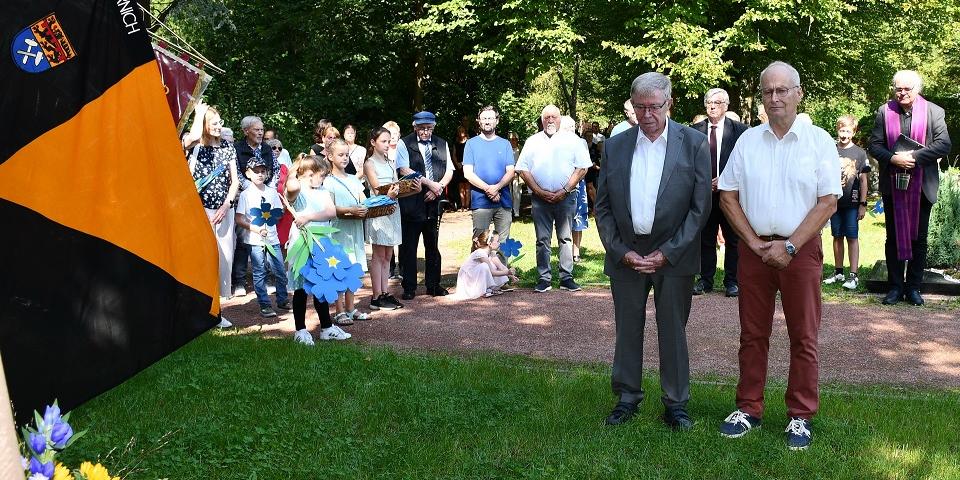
(488, 166)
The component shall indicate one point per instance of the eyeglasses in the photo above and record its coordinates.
(649, 108)
(424, 128)
(780, 91)
(277, 149)
(903, 89)
(715, 102)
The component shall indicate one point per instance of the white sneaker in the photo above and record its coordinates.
(851, 283)
(834, 279)
(224, 323)
(304, 337)
(333, 333)
(239, 292)
(271, 289)
(342, 331)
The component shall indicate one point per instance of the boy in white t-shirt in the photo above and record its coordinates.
(258, 211)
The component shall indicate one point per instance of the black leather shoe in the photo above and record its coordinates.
(700, 288)
(893, 297)
(733, 291)
(408, 295)
(677, 419)
(913, 297)
(621, 413)
(438, 291)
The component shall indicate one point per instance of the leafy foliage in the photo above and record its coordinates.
(944, 233)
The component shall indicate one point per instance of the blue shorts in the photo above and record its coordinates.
(844, 223)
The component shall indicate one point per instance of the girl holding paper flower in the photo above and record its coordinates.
(348, 196)
(312, 206)
(482, 273)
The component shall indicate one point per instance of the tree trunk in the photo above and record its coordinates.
(570, 94)
(418, 66)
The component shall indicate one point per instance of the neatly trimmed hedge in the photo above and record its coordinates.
(944, 234)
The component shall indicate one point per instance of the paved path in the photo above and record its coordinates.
(864, 344)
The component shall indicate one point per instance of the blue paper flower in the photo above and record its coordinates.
(61, 434)
(265, 215)
(45, 469)
(510, 247)
(38, 443)
(330, 272)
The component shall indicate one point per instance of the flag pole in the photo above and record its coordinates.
(9, 454)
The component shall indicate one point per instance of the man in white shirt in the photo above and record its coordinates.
(551, 164)
(631, 119)
(653, 199)
(778, 190)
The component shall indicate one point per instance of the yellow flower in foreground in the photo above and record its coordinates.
(95, 472)
(62, 473)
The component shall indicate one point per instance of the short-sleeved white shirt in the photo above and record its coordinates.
(253, 197)
(552, 160)
(779, 180)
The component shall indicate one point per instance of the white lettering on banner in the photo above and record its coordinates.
(128, 16)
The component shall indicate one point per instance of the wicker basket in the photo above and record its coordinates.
(381, 211)
(407, 187)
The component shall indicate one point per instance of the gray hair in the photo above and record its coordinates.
(794, 74)
(568, 123)
(650, 82)
(249, 121)
(549, 109)
(910, 77)
(226, 132)
(716, 91)
(273, 142)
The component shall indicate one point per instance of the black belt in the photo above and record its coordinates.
(771, 238)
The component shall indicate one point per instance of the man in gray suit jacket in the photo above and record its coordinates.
(653, 200)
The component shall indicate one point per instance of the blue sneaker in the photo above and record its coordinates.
(738, 423)
(798, 434)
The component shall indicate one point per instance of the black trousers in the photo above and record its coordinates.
(914, 267)
(412, 230)
(708, 249)
(300, 310)
(241, 258)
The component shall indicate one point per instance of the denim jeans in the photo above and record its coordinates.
(259, 257)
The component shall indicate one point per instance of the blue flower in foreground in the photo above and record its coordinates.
(265, 215)
(45, 469)
(61, 434)
(51, 416)
(510, 247)
(330, 272)
(38, 443)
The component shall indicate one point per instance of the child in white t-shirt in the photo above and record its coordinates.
(258, 211)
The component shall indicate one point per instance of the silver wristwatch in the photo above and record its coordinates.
(791, 248)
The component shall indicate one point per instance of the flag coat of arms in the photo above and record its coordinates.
(109, 259)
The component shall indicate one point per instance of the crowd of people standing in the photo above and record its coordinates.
(663, 195)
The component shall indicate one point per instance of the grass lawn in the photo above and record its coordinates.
(238, 407)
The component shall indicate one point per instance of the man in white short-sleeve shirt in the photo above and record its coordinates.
(551, 164)
(779, 188)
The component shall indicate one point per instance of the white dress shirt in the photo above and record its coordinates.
(403, 157)
(552, 160)
(779, 180)
(646, 169)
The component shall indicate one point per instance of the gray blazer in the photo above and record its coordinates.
(683, 203)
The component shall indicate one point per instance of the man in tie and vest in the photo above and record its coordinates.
(429, 155)
(722, 134)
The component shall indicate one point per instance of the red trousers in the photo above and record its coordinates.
(799, 287)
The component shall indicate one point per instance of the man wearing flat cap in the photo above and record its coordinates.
(429, 155)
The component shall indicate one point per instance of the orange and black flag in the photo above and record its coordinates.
(108, 260)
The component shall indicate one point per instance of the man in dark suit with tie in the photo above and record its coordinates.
(722, 134)
(653, 200)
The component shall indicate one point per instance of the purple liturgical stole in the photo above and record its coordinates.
(906, 203)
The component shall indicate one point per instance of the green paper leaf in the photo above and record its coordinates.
(272, 251)
(322, 230)
(515, 259)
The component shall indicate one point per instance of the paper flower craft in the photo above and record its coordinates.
(510, 247)
(330, 272)
(265, 215)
